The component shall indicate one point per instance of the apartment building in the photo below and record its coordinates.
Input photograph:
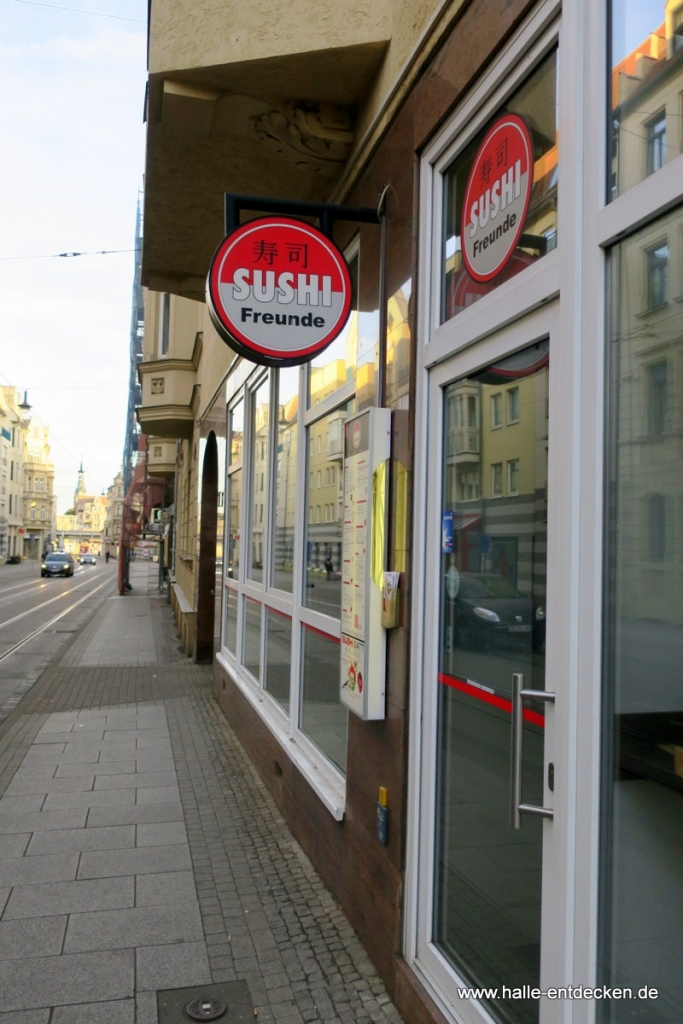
(517, 308)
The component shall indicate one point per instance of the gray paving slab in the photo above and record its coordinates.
(4, 896)
(154, 762)
(70, 898)
(19, 804)
(15, 845)
(127, 753)
(120, 1012)
(145, 1008)
(67, 737)
(154, 743)
(167, 833)
(157, 795)
(140, 861)
(34, 936)
(61, 980)
(59, 867)
(139, 926)
(166, 887)
(102, 798)
(79, 839)
(98, 816)
(176, 966)
(26, 1017)
(21, 785)
(39, 821)
(70, 771)
(46, 755)
(120, 735)
(138, 781)
(39, 771)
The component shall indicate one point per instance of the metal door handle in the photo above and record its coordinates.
(519, 695)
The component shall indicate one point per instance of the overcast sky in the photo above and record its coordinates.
(72, 163)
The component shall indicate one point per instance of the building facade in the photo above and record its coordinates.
(112, 523)
(13, 427)
(39, 505)
(532, 369)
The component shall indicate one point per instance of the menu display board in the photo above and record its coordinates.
(366, 449)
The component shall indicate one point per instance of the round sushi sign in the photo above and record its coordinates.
(497, 197)
(278, 291)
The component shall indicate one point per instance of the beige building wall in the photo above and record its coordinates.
(12, 438)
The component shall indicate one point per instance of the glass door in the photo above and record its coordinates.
(489, 771)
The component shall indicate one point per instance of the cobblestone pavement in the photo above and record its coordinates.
(140, 851)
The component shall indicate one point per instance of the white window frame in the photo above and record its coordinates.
(585, 223)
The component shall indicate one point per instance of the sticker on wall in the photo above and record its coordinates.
(497, 197)
(278, 291)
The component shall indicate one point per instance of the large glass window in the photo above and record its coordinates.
(536, 102)
(645, 90)
(278, 656)
(642, 848)
(286, 478)
(323, 550)
(323, 718)
(251, 648)
(260, 409)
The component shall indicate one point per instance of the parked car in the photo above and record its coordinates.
(59, 563)
(87, 559)
(488, 611)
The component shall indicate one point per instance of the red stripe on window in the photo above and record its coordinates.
(488, 698)
(334, 639)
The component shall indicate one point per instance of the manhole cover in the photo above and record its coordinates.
(205, 1009)
(175, 1004)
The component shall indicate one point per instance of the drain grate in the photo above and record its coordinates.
(227, 1003)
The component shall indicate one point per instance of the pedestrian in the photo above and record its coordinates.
(106, 557)
(329, 567)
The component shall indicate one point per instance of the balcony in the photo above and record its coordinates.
(239, 102)
(161, 455)
(168, 396)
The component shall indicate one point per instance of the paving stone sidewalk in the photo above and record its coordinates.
(139, 850)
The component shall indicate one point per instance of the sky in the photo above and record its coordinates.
(72, 145)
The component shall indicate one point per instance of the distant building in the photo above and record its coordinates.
(13, 427)
(39, 485)
(83, 530)
(112, 525)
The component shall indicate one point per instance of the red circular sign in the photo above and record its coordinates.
(497, 197)
(278, 291)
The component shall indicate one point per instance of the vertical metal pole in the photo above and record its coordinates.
(516, 750)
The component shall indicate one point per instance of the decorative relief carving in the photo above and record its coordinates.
(157, 451)
(157, 385)
(307, 136)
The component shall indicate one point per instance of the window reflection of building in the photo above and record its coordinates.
(646, 96)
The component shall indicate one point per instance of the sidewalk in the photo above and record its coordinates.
(139, 851)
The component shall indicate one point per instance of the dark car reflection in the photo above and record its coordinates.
(486, 611)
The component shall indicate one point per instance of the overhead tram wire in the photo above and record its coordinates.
(67, 255)
(78, 10)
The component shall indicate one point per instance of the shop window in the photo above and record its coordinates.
(656, 142)
(323, 718)
(276, 675)
(645, 74)
(251, 647)
(535, 102)
(260, 419)
(643, 622)
(285, 491)
(336, 366)
(230, 633)
(236, 433)
(657, 264)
